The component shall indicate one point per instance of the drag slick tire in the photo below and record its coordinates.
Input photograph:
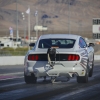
(83, 79)
(30, 79)
(91, 70)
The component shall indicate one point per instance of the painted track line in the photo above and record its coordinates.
(17, 73)
(11, 78)
(12, 84)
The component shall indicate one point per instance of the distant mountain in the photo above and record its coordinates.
(57, 15)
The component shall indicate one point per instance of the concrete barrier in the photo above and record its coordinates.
(12, 60)
(96, 57)
(19, 60)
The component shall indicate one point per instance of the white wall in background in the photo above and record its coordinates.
(12, 60)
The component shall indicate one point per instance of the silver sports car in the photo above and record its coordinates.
(56, 55)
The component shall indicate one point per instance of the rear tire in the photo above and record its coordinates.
(30, 79)
(91, 70)
(83, 79)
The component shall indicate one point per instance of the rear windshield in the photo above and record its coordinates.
(58, 43)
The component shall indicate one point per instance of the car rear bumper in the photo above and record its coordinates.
(63, 68)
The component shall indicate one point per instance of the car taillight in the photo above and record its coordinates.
(33, 57)
(73, 57)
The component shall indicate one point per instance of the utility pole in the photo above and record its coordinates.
(17, 34)
(29, 28)
(23, 15)
(68, 16)
(36, 15)
(28, 12)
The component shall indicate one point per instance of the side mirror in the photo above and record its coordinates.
(91, 44)
(32, 44)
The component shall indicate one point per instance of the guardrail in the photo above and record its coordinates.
(19, 60)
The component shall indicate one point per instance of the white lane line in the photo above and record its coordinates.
(12, 84)
(17, 73)
(11, 78)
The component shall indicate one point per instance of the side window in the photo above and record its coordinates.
(82, 43)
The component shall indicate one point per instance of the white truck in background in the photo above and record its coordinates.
(10, 42)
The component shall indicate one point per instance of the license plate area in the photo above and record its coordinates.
(53, 74)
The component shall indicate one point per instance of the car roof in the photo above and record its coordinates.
(69, 36)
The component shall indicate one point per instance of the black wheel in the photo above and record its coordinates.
(30, 79)
(91, 70)
(82, 79)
